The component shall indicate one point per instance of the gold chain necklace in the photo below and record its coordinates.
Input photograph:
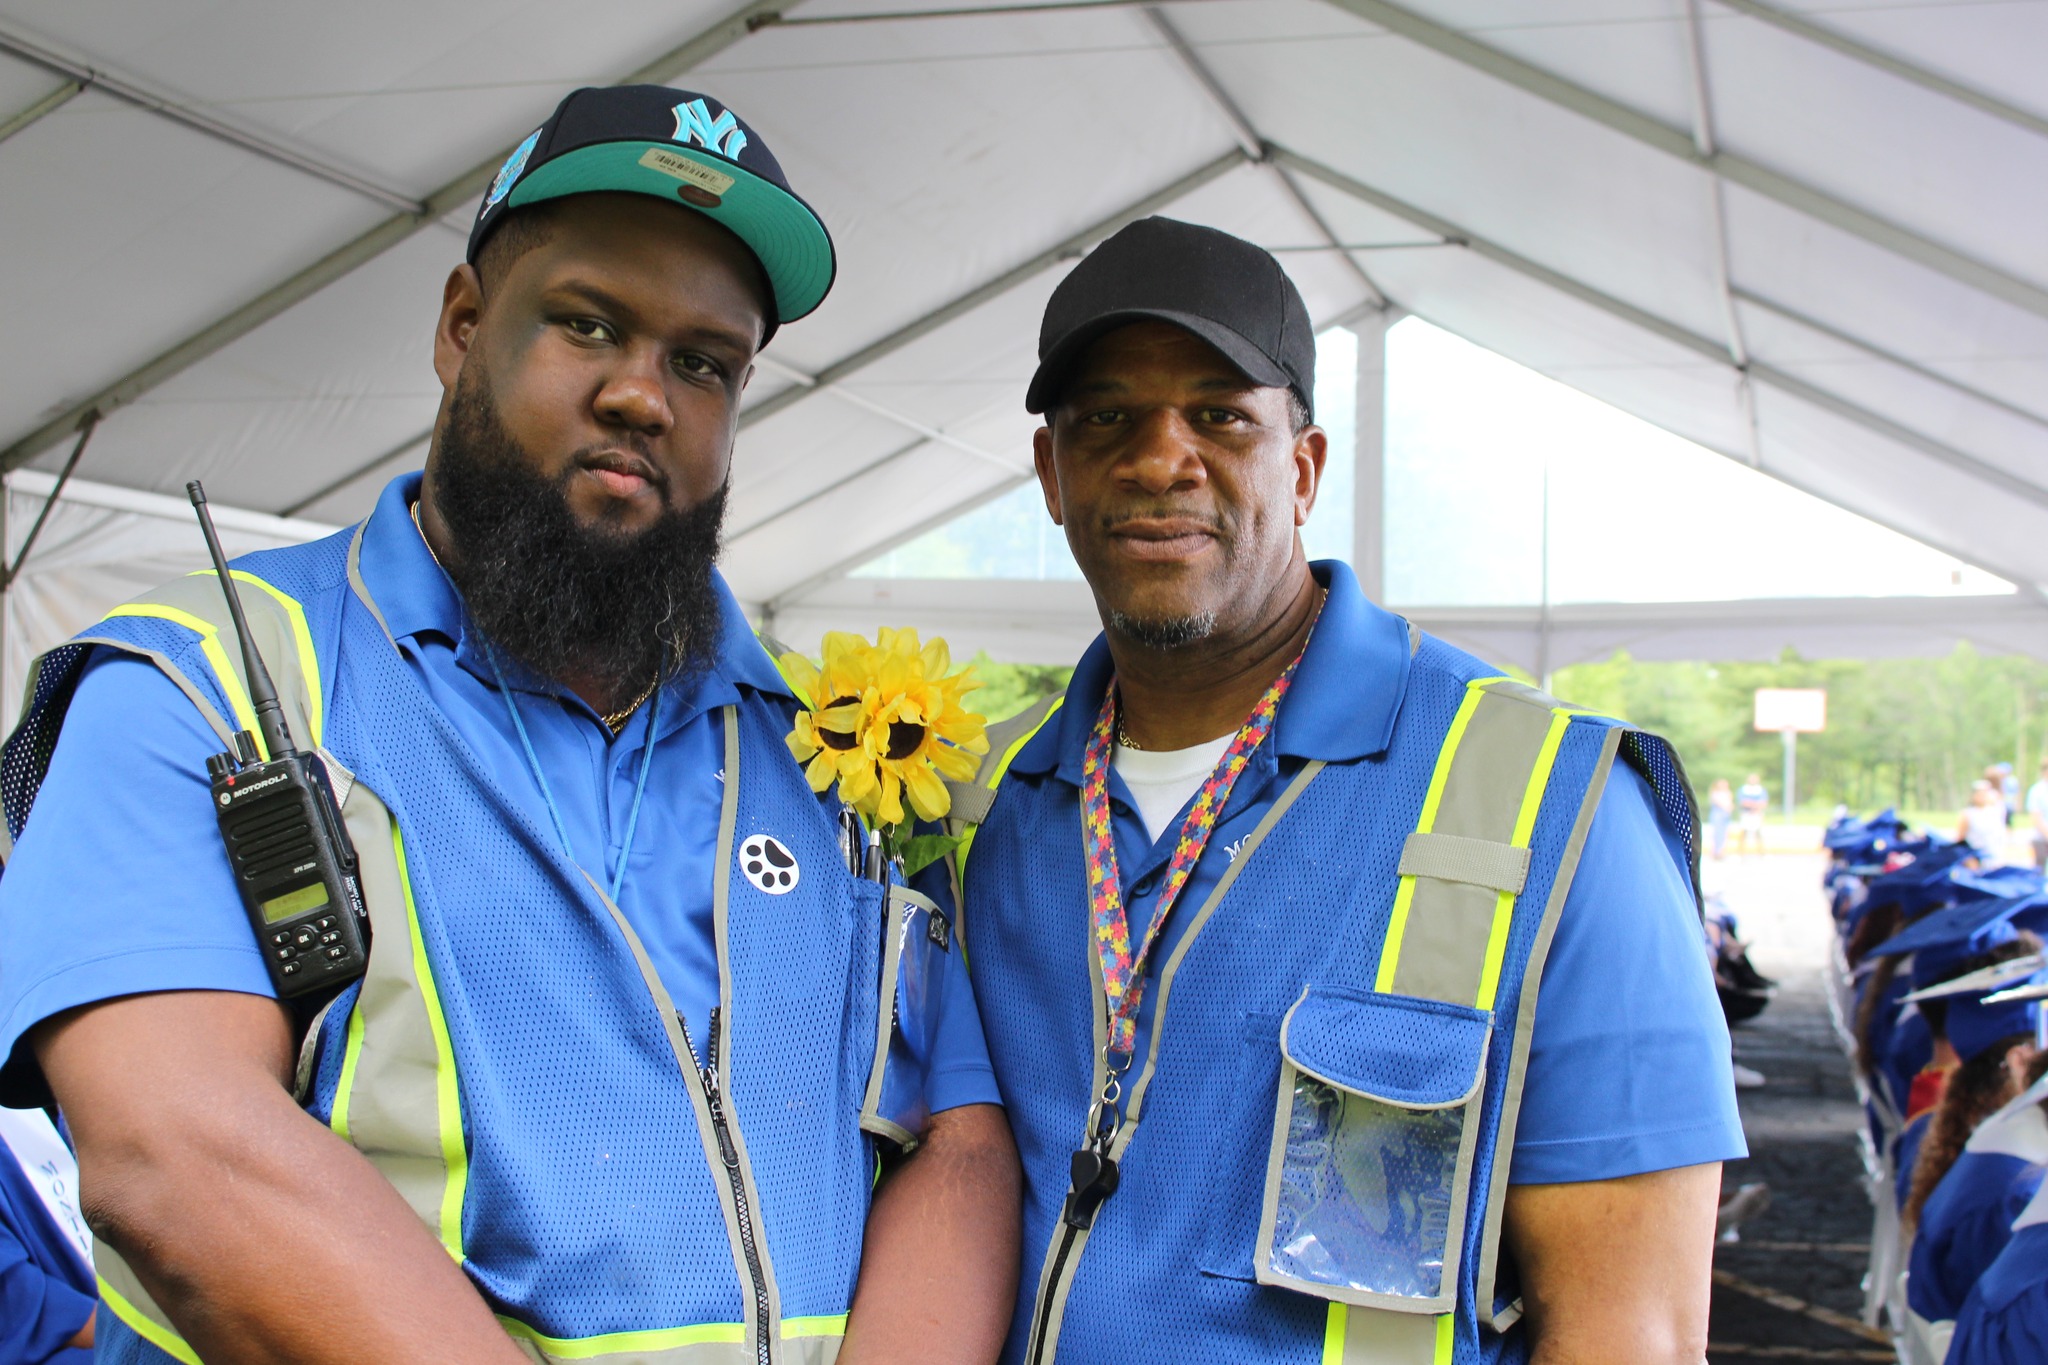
(614, 721)
(1123, 736)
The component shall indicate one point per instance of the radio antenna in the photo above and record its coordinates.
(277, 737)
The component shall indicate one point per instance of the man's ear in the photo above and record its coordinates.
(1048, 477)
(462, 307)
(1311, 449)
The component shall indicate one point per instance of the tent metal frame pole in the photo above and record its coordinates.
(1002, 284)
(1884, 61)
(895, 16)
(1704, 347)
(1785, 190)
(346, 258)
(1876, 352)
(328, 490)
(887, 413)
(42, 108)
(15, 43)
(1252, 143)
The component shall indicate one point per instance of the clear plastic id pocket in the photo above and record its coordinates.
(917, 937)
(1370, 1170)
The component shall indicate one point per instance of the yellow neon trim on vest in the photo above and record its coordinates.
(1525, 826)
(667, 1338)
(150, 1330)
(1446, 1337)
(302, 637)
(350, 1054)
(797, 1329)
(1397, 923)
(209, 642)
(1002, 767)
(1334, 1327)
(447, 1094)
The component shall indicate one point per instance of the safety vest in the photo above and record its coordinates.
(1316, 1142)
(511, 1062)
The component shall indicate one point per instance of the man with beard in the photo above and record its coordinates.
(600, 1094)
(1259, 916)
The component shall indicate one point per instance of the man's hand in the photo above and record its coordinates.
(938, 1273)
(264, 1236)
(1616, 1272)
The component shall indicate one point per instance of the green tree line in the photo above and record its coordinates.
(1911, 733)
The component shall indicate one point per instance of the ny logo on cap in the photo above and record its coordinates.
(722, 135)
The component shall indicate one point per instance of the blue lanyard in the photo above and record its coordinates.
(547, 793)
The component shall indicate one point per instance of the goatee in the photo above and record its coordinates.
(606, 607)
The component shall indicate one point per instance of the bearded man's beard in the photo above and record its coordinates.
(595, 603)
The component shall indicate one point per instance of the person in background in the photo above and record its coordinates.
(47, 1295)
(2037, 816)
(1983, 825)
(1999, 775)
(1754, 801)
(1720, 811)
(1993, 1046)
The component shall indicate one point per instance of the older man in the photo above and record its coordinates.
(1346, 996)
(599, 1096)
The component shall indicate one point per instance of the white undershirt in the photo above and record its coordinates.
(50, 1168)
(1162, 781)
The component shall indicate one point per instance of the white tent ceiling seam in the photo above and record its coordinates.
(1751, 175)
(80, 74)
(1959, 460)
(339, 262)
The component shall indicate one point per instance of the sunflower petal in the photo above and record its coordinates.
(928, 795)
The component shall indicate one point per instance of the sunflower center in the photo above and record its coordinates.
(836, 739)
(904, 738)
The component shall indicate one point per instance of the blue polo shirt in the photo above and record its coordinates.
(1628, 1071)
(120, 883)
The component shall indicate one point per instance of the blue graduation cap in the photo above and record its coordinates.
(1964, 930)
(1860, 839)
(1936, 878)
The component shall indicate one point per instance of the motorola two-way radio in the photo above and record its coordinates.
(291, 854)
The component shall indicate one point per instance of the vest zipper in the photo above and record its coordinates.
(730, 1156)
(1068, 1234)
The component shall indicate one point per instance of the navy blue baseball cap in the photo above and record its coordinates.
(683, 148)
(1225, 290)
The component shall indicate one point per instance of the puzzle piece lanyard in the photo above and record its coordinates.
(1123, 972)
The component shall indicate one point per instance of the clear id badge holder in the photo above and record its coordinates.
(1373, 1142)
(917, 939)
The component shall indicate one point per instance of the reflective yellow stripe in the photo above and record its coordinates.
(667, 1338)
(151, 1331)
(1003, 766)
(1446, 1337)
(796, 1329)
(1404, 895)
(209, 642)
(302, 637)
(448, 1096)
(1525, 826)
(350, 1054)
(1333, 1333)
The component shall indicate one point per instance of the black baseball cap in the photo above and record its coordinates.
(1225, 290)
(681, 147)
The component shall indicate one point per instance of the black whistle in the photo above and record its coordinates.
(1095, 1178)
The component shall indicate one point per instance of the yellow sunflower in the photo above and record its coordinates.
(892, 724)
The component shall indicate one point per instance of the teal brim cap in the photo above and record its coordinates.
(681, 148)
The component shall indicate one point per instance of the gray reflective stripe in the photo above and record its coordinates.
(1057, 1291)
(1449, 926)
(362, 589)
(971, 801)
(1525, 1028)
(1356, 1336)
(900, 900)
(1476, 862)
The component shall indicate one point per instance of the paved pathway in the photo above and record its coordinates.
(1790, 1289)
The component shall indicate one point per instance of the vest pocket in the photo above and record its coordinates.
(1374, 1134)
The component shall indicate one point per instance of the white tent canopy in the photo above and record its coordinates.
(1809, 236)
